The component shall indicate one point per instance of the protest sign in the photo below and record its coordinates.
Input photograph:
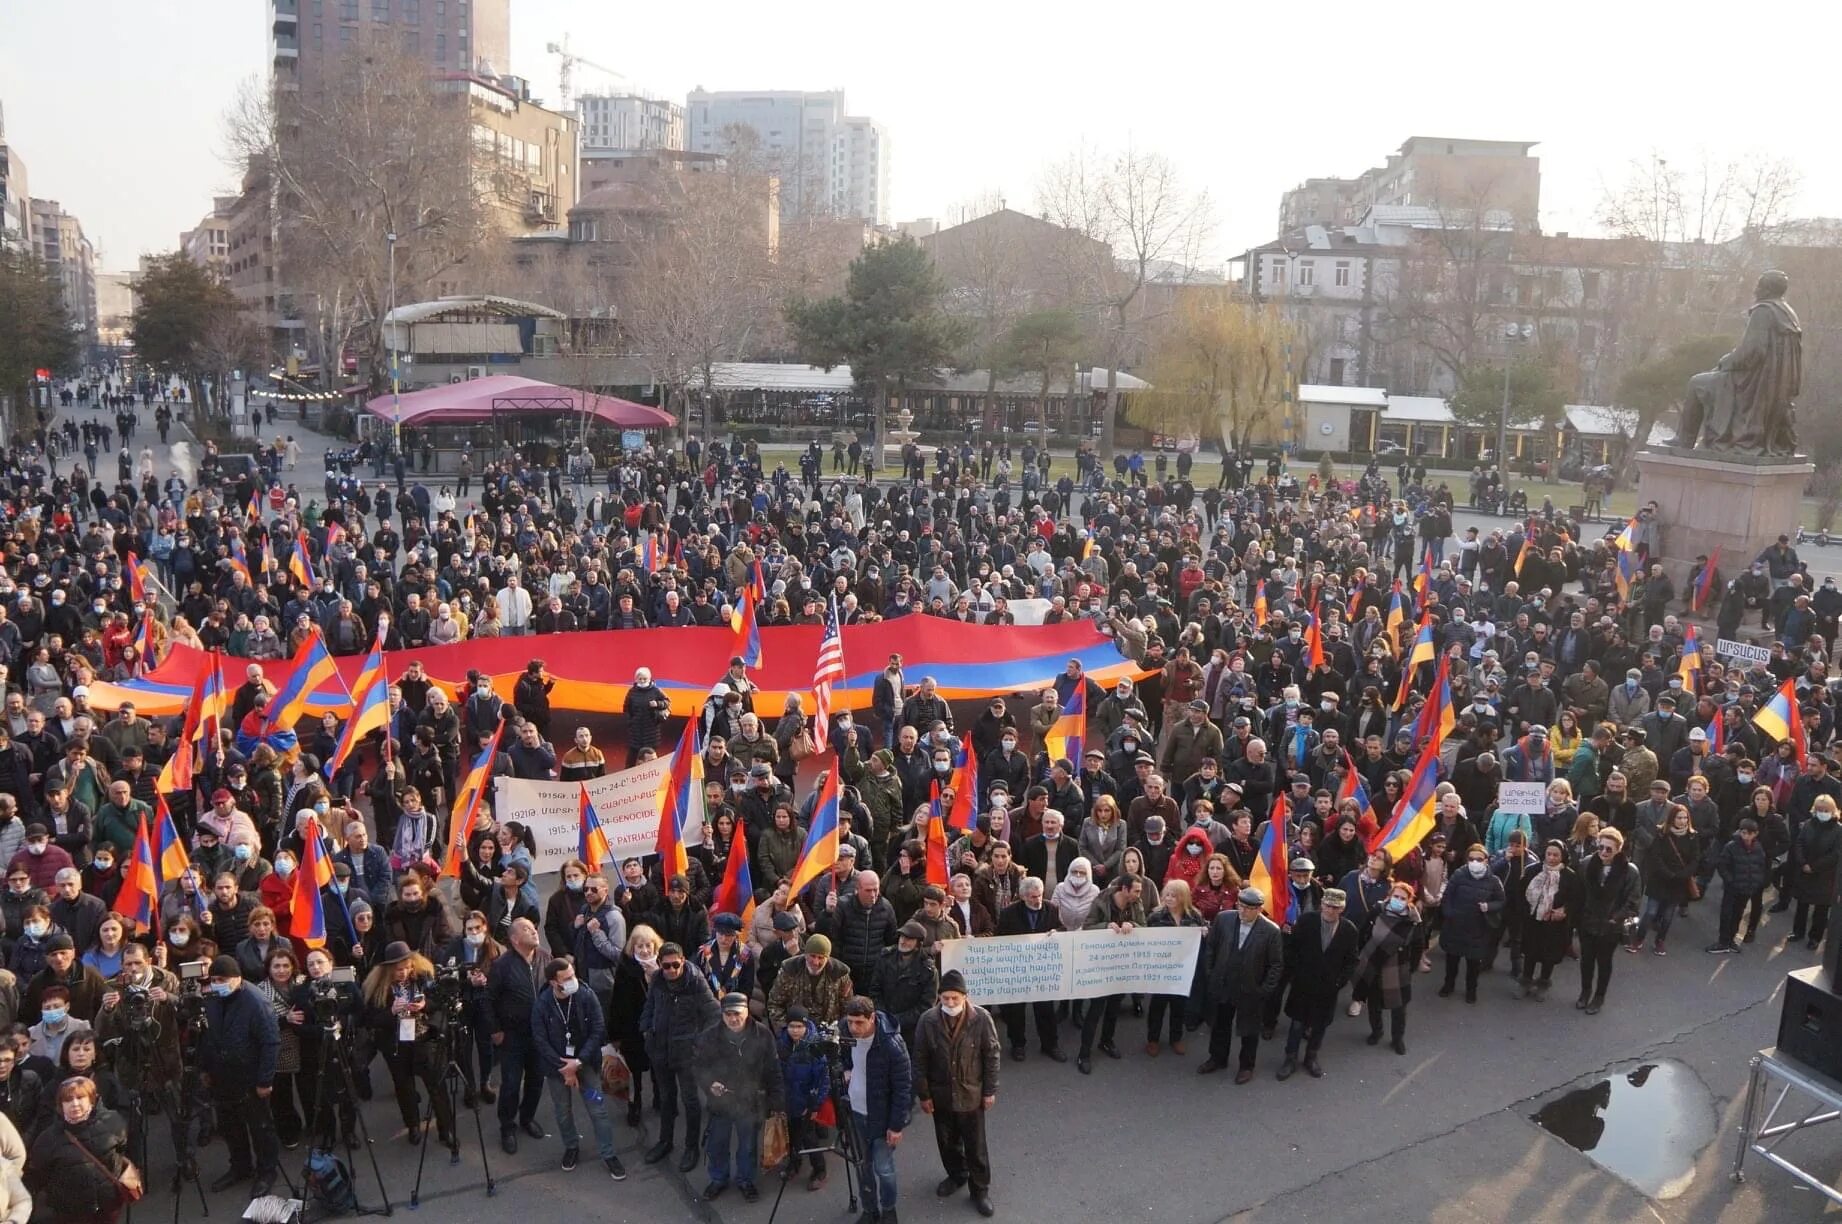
(1743, 652)
(627, 804)
(1527, 797)
(1075, 964)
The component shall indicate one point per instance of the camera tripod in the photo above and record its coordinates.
(175, 1100)
(849, 1144)
(452, 1082)
(333, 1076)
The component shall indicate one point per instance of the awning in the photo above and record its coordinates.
(479, 400)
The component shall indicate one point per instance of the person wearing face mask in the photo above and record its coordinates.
(40, 859)
(1629, 702)
(1609, 896)
(1383, 976)
(567, 1032)
(1810, 872)
(956, 1060)
(1005, 764)
(240, 1063)
(1472, 906)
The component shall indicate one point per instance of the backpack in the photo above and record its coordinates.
(329, 1183)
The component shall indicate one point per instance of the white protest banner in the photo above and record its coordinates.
(1525, 797)
(1028, 611)
(627, 804)
(1745, 652)
(1075, 964)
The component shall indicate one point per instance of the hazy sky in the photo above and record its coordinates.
(116, 105)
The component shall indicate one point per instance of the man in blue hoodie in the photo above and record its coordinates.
(881, 1088)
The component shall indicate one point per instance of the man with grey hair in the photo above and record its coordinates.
(75, 911)
(1028, 915)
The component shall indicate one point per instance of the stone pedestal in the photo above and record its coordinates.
(1704, 503)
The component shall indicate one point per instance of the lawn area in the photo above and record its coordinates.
(1621, 504)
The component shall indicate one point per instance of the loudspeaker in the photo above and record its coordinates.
(1810, 1027)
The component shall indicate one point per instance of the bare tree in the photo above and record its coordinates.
(381, 149)
(701, 281)
(1132, 219)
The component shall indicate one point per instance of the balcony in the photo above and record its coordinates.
(284, 16)
(286, 46)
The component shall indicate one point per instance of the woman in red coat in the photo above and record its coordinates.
(277, 892)
(1189, 857)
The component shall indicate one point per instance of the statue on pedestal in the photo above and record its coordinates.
(1746, 403)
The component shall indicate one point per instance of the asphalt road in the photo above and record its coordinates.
(1441, 1134)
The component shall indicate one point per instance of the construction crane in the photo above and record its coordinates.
(569, 60)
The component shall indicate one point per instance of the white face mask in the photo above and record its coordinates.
(953, 1009)
(1477, 868)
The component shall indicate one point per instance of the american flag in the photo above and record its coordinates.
(829, 670)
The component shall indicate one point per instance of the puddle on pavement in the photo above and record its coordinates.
(1646, 1125)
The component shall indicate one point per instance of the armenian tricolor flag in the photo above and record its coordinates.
(679, 802)
(301, 564)
(591, 838)
(138, 902)
(254, 509)
(736, 894)
(371, 711)
(467, 803)
(1704, 581)
(1314, 643)
(1783, 720)
(1624, 572)
(1260, 603)
(966, 797)
(1396, 621)
(1627, 539)
(306, 913)
(170, 859)
(935, 853)
(239, 561)
(311, 667)
(1437, 718)
(1269, 873)
(820, 853)
(649, 553)
(144, 639)
(1690, 666)
(1067, 736)
(747, 628)
(1416, 813)
(139, 572)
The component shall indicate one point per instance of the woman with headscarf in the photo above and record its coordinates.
(1072, 901)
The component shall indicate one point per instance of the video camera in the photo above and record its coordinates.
(325, 996)
(137, 1009)
(191, 1001)
(823, 1038)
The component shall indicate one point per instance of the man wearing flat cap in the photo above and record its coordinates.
(1321, 954)
(1245, 960)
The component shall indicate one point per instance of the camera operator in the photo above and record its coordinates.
(474, 951)
(397, 1009)
(140, 1019)
(738, 1070)
(568, 1030)
(238, 1057)
(321, 1012)
(511, 989)
(881, 1088)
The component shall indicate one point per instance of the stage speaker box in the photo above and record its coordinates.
(1810, 1027)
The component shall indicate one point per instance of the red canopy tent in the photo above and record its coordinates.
(502, 396)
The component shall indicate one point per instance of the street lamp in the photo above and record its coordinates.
(396, 381)
(1512, 332)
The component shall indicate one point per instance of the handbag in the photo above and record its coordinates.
(129, 1183)
(1691, 885)
(802, 746)
(616, 1075)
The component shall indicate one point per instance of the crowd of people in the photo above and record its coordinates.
(1565, 665)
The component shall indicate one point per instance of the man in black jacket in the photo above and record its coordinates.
(906, 978)
(678, 1009)
(739, 1071)
(1320, 953)
(239, 1064)
(860, 926)
(511, 993)
(1047, 855)
(1029, 916)
(1245, 961)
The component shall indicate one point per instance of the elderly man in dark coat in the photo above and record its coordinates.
(1246, 958)
(1320, 954)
